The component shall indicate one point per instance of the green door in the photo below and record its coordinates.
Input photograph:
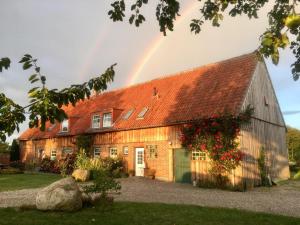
(182, 166)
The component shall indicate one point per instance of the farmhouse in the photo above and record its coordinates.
(142, 123)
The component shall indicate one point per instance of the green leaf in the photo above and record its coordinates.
(27, 65)
(34, 80)
(32, 77)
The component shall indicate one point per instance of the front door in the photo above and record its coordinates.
(182, 166)
(139, 162)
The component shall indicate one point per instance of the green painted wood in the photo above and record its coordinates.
(182, 166)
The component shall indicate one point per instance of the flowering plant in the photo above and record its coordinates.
(217, 136)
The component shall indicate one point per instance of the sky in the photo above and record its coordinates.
(74, 40)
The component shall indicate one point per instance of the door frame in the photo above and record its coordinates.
(135, 161)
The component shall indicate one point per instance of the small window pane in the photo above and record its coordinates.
(128, 114)
(66, 151)
(65, 126)
(107, 120)
(96, 121)
(97, 152)
(125, 150)
(142, 113)
(198, 155)
(53, 154)
(113, 152)
(152, 151)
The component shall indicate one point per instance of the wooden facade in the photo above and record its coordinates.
(266, 131)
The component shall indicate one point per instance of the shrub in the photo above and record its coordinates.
(67, 164)
(82, 160)
(114, 167)
(10, 170)
(17, 164)
(102, 183)
(49, 166)
(297, 176)
(14, 151)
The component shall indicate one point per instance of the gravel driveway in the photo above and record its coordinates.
(283, 199)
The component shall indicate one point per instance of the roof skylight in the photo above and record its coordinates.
(142, 113)
(128, 114)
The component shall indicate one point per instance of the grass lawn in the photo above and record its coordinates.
(10, 182)
(144, 213)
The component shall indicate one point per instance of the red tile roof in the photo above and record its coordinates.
(188, 95)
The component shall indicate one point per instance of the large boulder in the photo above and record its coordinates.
(81, 175)
(62, 195)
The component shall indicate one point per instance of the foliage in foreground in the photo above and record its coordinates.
(283, 29)
(45, 104)
(144, 213)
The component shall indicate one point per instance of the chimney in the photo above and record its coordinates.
(154, 91)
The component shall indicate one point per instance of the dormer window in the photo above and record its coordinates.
(107, 120)
(65, 126)
(142, 113)
(96, 121)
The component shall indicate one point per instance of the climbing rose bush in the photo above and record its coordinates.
(217, 136)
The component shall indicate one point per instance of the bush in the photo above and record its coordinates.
(114, 167)
(10, 170)
(17, 164)
(49, 166)
(297, 175)
(102, 183)
(82, 161)
(67, 164)
(14, 151)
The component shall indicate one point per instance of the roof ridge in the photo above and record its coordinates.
(180, 73)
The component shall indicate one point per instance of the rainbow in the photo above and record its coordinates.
(92, 52)
(155, 44)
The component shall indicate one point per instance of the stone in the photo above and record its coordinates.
(81, 175)
(62, 195)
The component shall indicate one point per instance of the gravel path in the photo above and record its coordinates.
(283, 199)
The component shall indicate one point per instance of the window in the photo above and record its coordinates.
(128, 114)
(125, 150)
(113, 153)
(39, 153)
(66, 151)
(142, 113)
(65, 126)
(107, 120)
(198, 155)
(152, 151)
(96, 121)
(53, 154)
(97, 152)
(51, 127)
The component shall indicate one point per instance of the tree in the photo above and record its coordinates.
(293, 142)
(45, 104)
(4, 147)
(14, 151)
(283, 30)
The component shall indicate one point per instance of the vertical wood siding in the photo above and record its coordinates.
(266, 131)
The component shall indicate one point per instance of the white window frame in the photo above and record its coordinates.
(106, 122)
(98, 150)
(125, 150)
(53, 154)
(68, 149)
(113, 152)
(96, 123)
(198, 155)
(142, 113)
(65, 124)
